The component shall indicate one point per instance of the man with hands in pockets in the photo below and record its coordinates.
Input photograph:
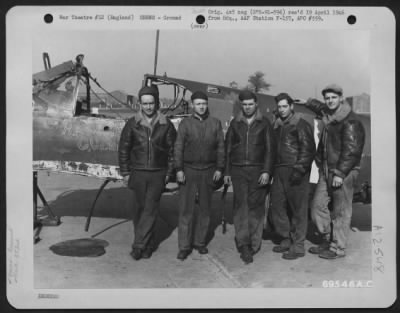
(338, 158)
(146, 164)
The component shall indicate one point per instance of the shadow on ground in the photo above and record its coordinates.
(117, 203)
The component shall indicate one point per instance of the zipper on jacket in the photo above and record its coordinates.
(247, 142)
(325, 152)
(202, 140)
(280, 144)
(149, 145)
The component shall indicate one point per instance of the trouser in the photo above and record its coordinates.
(337, 219)
(193, 224)
(147, 187)
(289, 208)
(249, 206)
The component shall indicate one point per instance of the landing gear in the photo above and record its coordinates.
(95, 200)
(50, 220)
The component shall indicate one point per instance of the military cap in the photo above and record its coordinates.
(247, 95)
(199, 95)
(146, 90)
(333, 88)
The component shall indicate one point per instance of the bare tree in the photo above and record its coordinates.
(257, 82)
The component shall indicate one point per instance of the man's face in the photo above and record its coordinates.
(249, 107)
(284, 108)
(332, 100)
(200, 106)
(148, 105)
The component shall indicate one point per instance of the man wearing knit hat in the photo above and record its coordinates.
(199, 161)
(290, 188)
(146, 164)
(338, 159)
(250, 154)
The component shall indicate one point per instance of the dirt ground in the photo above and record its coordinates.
(71, 196)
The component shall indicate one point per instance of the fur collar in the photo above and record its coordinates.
(159, 117)
(240, 116)
(293, 120)
(339, 115)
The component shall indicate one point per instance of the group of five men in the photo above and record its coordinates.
(254, 153)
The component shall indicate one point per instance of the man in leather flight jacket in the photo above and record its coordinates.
(199, 161)
(146, 164)
(290, 187)
(338, 158)
(250, 155)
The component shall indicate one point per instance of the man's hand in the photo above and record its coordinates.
(337, 181)
(180, 177)
(264, 179)
(125, 180)
(217, 176)
(299, 101)
(227, 180)
(166, 181)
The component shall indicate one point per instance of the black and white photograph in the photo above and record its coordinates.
(201, 157)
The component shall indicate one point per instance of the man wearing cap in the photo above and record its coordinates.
(146, 164)
(199, 161)
(250, 154)
(338, 159)
(290, 188)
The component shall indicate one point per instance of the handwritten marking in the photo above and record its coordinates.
(13, 254)
(377, 243)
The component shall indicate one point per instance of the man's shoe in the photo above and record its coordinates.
(280, 249)
(201, 249)
(147, 253)
(136, 254)
(292, 255)
(320, 248)
(330, 255)
(253, 252)
(183, 254)
(245, 255)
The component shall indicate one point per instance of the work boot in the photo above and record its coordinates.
(183, 254)
(147, 253)
(330, 255)
(245, 255)
(292, 255)
(201, 249)
(282, 247)
(253, 252)
(320, 248)
(136, 253)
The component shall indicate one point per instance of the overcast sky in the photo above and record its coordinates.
(300, 62)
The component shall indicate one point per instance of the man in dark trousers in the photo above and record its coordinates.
(290, 187)
(146, 164)
(199, 160)
(338, 159)
(250, 154)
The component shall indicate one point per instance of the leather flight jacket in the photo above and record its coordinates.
(146, 146)
(295, 143)
(250, 145)
(199, 143)
(342, 140)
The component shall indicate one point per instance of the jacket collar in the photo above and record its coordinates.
(339, 115)
(241, 117)
(292, 120)
(206, 115)
(159, 117)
